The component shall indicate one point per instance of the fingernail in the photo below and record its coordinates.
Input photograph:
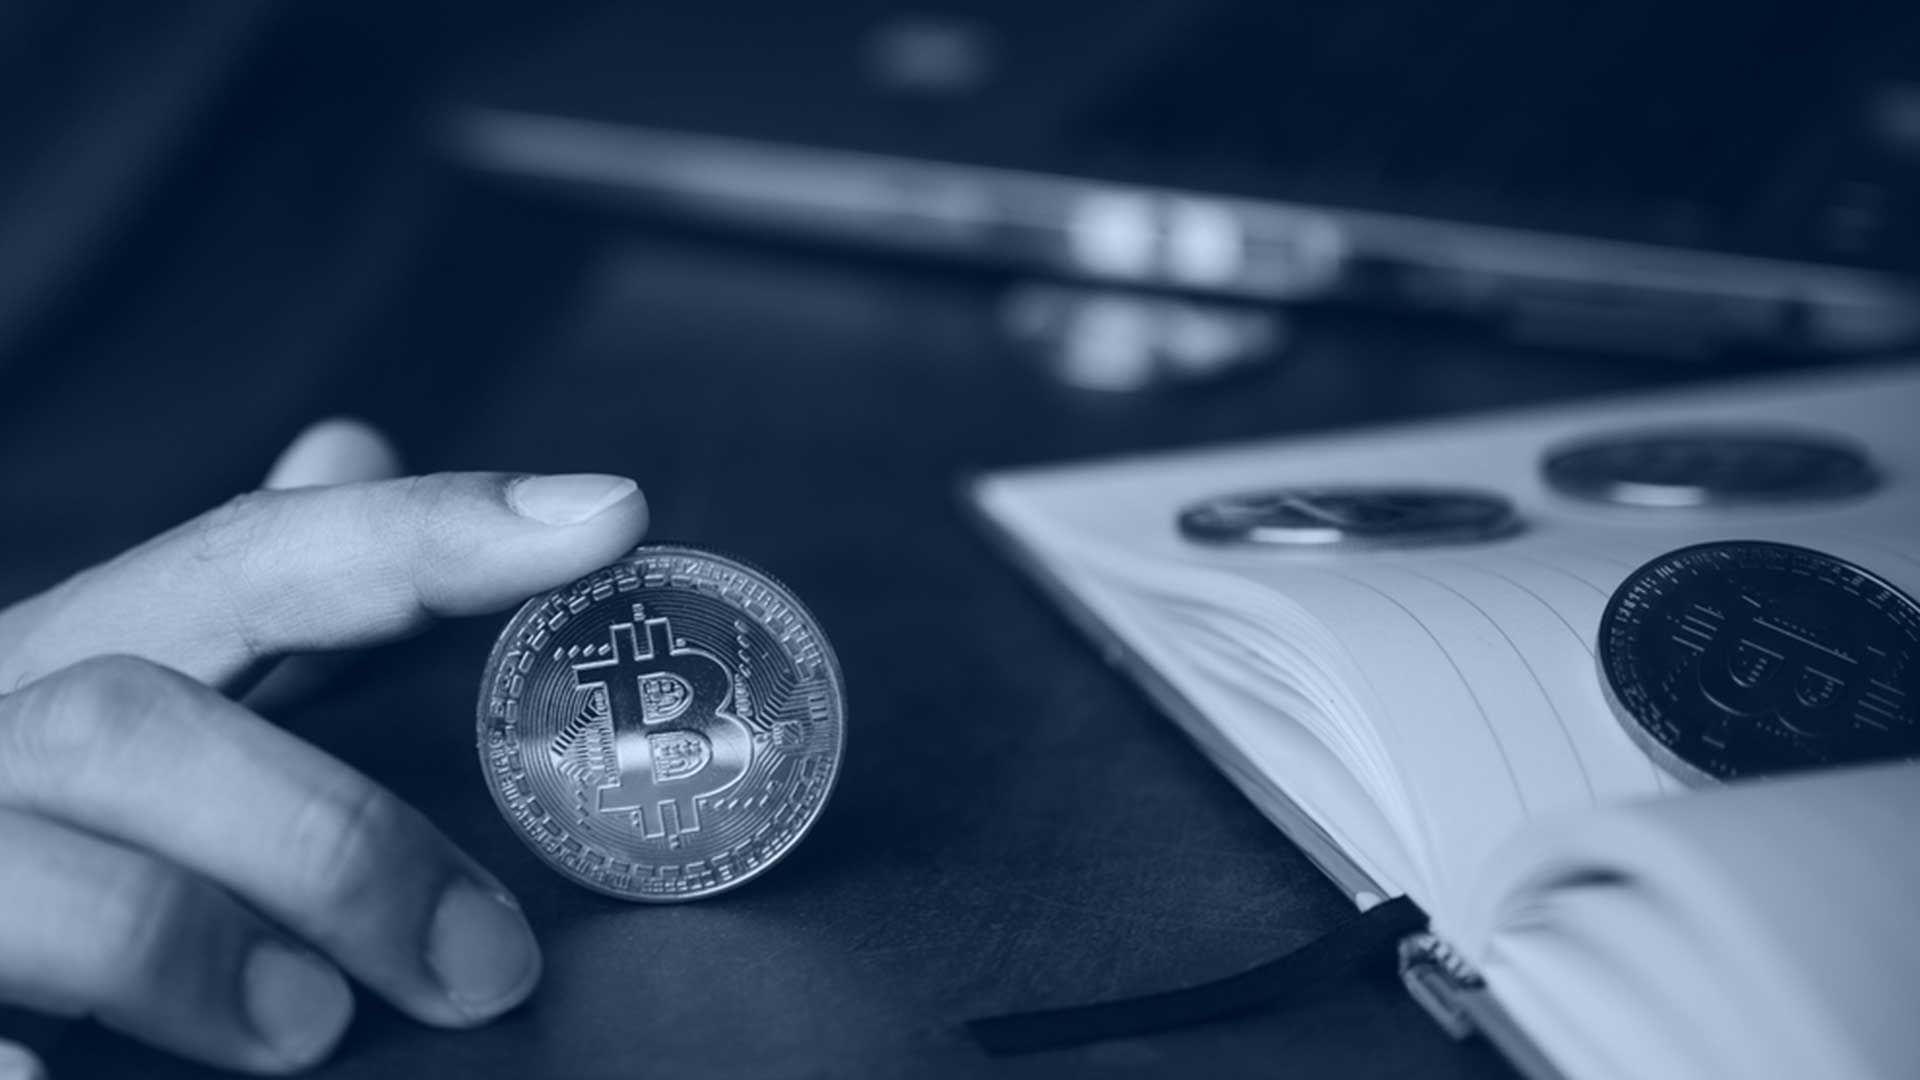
(482, 950)
(567, 500)
(298, 1002)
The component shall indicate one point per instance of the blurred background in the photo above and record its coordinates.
(1162, 214)
(801, 268)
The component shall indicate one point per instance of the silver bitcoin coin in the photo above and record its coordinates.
(665, 728)
(1744, 658)
(1342, 517)
(1708, 467)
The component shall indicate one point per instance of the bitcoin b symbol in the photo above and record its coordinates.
(1759, 667)
(675, 738)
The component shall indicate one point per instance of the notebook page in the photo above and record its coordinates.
(1764, 929)
(1258, 727)
(1479, 670)
(1473, 664)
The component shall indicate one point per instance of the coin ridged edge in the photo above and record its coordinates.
(510, 633)
(1508, 522)
(1866, 477)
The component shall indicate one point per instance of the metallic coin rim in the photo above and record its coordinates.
(1330, 538)
(1642, 496)
(1677, 767)
(510, 632)
(1681, 769)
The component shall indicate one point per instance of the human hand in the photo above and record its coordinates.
(192, 875)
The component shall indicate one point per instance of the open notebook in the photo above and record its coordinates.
(1430, 721)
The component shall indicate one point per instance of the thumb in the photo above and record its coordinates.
(335, 451)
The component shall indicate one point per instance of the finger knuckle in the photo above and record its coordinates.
(345, 844)
(234, 528)
(113, 684)
(84, 716)
(430, 507)
(139, 914)
(448, 520)
(237, 544)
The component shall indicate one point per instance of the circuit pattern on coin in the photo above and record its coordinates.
(665, 728)
(1745, 658)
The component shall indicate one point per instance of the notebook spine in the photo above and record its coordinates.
(1438, 978)
(1458, 999)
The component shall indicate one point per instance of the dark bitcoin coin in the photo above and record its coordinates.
(1708, 467)
(1323, 517)
(1743, 658)
(664, 728)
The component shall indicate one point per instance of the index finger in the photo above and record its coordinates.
(142, 756)
(273, 572)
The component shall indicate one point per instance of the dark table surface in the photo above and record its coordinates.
(1015, 826)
